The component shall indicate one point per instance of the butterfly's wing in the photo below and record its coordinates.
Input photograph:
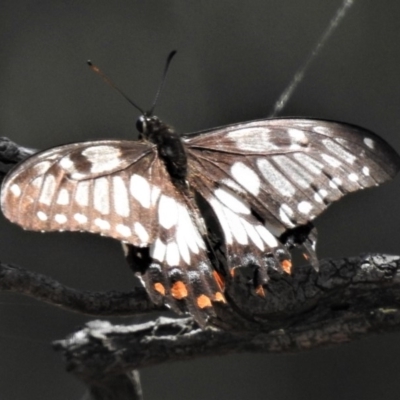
(177, 269)
(282, 172)
(85, 187)
(119, 189)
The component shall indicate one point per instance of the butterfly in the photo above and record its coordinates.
(247, 190)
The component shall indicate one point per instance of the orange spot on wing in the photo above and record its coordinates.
(305, 255)
(178, 290)
(219, 297)
(159, 288)
(220, 281)
(203, 301)
(232, 271)
(260, 291)
(287, 266)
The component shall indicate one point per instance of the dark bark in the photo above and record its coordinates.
(44, 288)
(348, 299)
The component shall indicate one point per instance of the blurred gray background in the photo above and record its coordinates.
(234, 59)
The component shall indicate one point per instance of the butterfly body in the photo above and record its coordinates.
(169, 145)
(247, 191)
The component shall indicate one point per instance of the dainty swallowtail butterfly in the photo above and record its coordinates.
(261, 183)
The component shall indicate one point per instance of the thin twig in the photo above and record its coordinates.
(299, 75)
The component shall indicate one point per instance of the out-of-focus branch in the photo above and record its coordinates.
(112, 303)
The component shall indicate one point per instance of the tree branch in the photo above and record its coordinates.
(350, 299)
(10, 154)
(112, 303)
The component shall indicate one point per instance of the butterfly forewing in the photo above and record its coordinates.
(290, 170)
(102, 187)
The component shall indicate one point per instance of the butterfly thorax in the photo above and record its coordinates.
(169, 145)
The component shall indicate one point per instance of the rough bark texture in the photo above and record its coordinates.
(346, 300)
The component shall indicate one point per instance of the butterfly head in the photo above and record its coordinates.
(147, 125)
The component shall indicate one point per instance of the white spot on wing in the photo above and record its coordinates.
(323, 130)
(82, 219)
(82, 193)
(353, 177)
(232, 201)
(298, 137)
(246, 177)
(215, 204)
(312, 165)
(252, 139)
(167, 212)
(140, 190)
(101, 195)
(102, 158)
(275, 178)
(41, 215)
(292, 169)
(339, 151)
(140, 230)
(337, 181)
(41, 167)
(123, 230)
(318, 198)
(186, 231)
(365, 171)
(48, 188)
(323, 193)
(253, 234)
(63, 197)
(369, 142)
(15, 190)
(235, 226)
(330, 160)
(284, 213)
(304, 207)
(66, 163)
(157, 250)
(78, 175)
(120, 197)
(232, 185)
(37, 182)
(267, 236)
(60, 218)
(172, 254)
(155, 192)
(182, 245)
(102, 224)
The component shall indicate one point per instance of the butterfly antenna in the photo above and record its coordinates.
(107, 80)
(160, 88)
